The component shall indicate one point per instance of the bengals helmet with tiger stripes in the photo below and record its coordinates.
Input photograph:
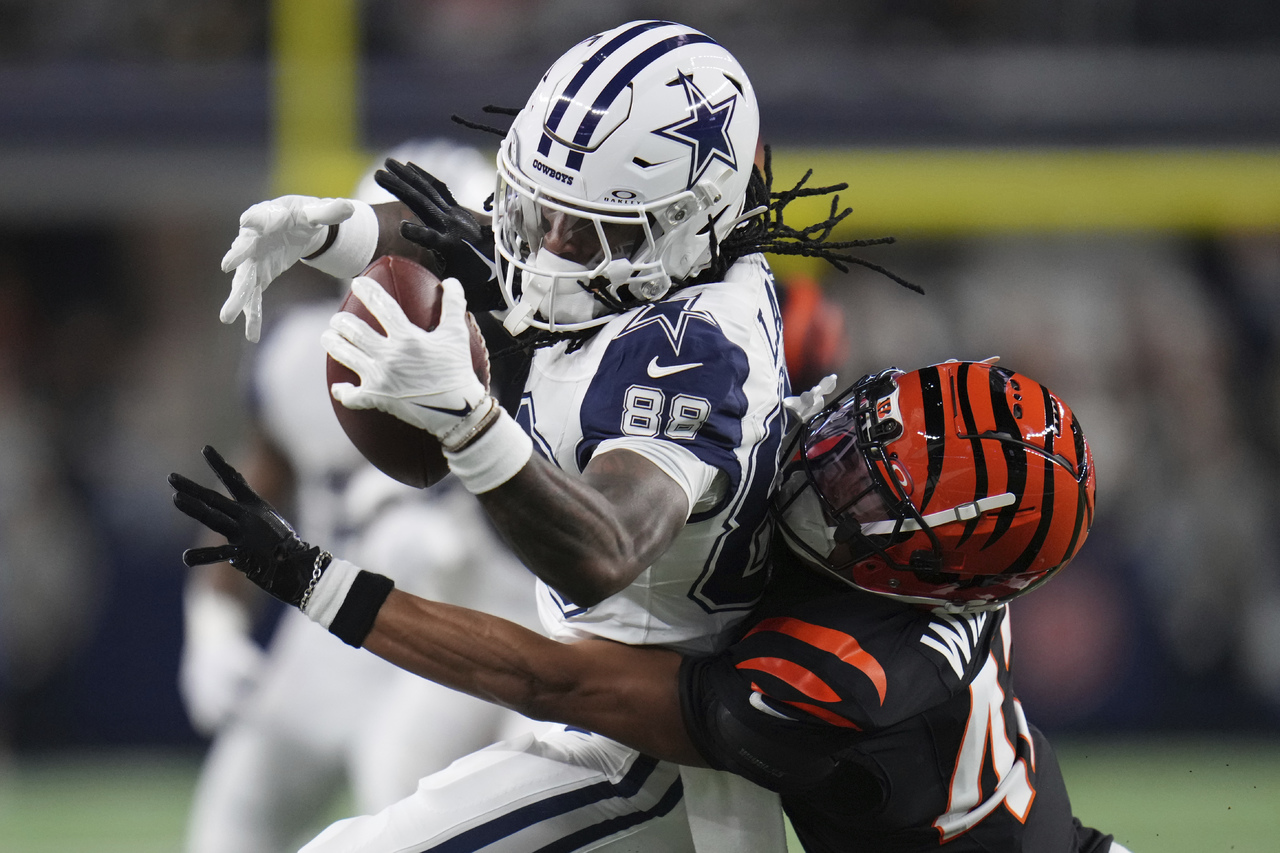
(961, 485)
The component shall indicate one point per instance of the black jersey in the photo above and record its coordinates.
(884, 726)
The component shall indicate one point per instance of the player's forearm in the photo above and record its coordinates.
(390, 241)
(625, 692)
(588, 537)
(479, 654)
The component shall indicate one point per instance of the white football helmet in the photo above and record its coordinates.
(635, 144)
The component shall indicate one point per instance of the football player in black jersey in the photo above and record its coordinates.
(872, 688)
(875, 694)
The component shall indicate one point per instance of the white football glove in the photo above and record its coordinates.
(221, 664)
(423, 378)
(274, 235)
(809, 403)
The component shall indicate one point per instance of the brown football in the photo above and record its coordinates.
(400, 450)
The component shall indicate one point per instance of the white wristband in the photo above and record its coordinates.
(331, 590)
(352, 250)
(493, 458)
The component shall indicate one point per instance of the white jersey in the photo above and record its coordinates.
(291, 403)
(694, 383)
(321, 714)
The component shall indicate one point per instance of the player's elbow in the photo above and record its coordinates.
(598, 579)
(549, 698)
(574, 697)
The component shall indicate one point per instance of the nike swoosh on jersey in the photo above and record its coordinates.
(458, 413)
(757, 702)
(657, 372)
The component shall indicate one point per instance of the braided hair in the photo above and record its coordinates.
(768, 232)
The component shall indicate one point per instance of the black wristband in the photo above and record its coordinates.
(329, 237)
(354, 619)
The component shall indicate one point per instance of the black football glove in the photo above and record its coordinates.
(464, 246)
(260, 542)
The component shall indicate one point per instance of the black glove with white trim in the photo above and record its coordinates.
(265, 547)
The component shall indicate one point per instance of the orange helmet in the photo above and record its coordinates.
(961, 485)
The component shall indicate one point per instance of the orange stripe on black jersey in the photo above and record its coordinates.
(824, 714)
(834, 642)
(794, 675)
(814, 710)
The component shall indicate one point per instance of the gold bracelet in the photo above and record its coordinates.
(480, 428)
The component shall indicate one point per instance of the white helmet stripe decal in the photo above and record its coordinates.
(963, 512)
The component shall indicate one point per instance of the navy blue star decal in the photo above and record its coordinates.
(706, 130)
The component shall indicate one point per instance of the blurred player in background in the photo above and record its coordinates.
(626, 257)
(296, 724)
(814, 332)
(873, 686)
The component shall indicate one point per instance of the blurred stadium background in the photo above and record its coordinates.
(1090, 190)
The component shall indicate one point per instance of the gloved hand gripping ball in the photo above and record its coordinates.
(463, 245)
(400, 449)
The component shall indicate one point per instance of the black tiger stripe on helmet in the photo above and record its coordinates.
(981, 495)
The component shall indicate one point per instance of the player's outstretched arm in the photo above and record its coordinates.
(339, 236)
(625, 692)
(263, 546)
(628, 693)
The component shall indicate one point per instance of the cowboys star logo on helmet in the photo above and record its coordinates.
(619, 174)
(705, 130)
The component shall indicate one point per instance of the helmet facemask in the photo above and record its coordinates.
(569, 266)
(844, 499)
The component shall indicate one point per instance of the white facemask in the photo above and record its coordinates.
(560, 297)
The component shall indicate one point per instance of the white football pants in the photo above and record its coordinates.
(567, 790)
(328, 716)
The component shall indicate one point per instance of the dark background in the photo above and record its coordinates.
(133, 134)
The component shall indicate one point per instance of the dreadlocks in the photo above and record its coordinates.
(768, 233)
(487, 128)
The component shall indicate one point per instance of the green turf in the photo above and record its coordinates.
(1202, 796)
(116, 803)
(1186, 796)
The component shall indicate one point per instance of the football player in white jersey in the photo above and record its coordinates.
(630, 470)
(295, 724)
